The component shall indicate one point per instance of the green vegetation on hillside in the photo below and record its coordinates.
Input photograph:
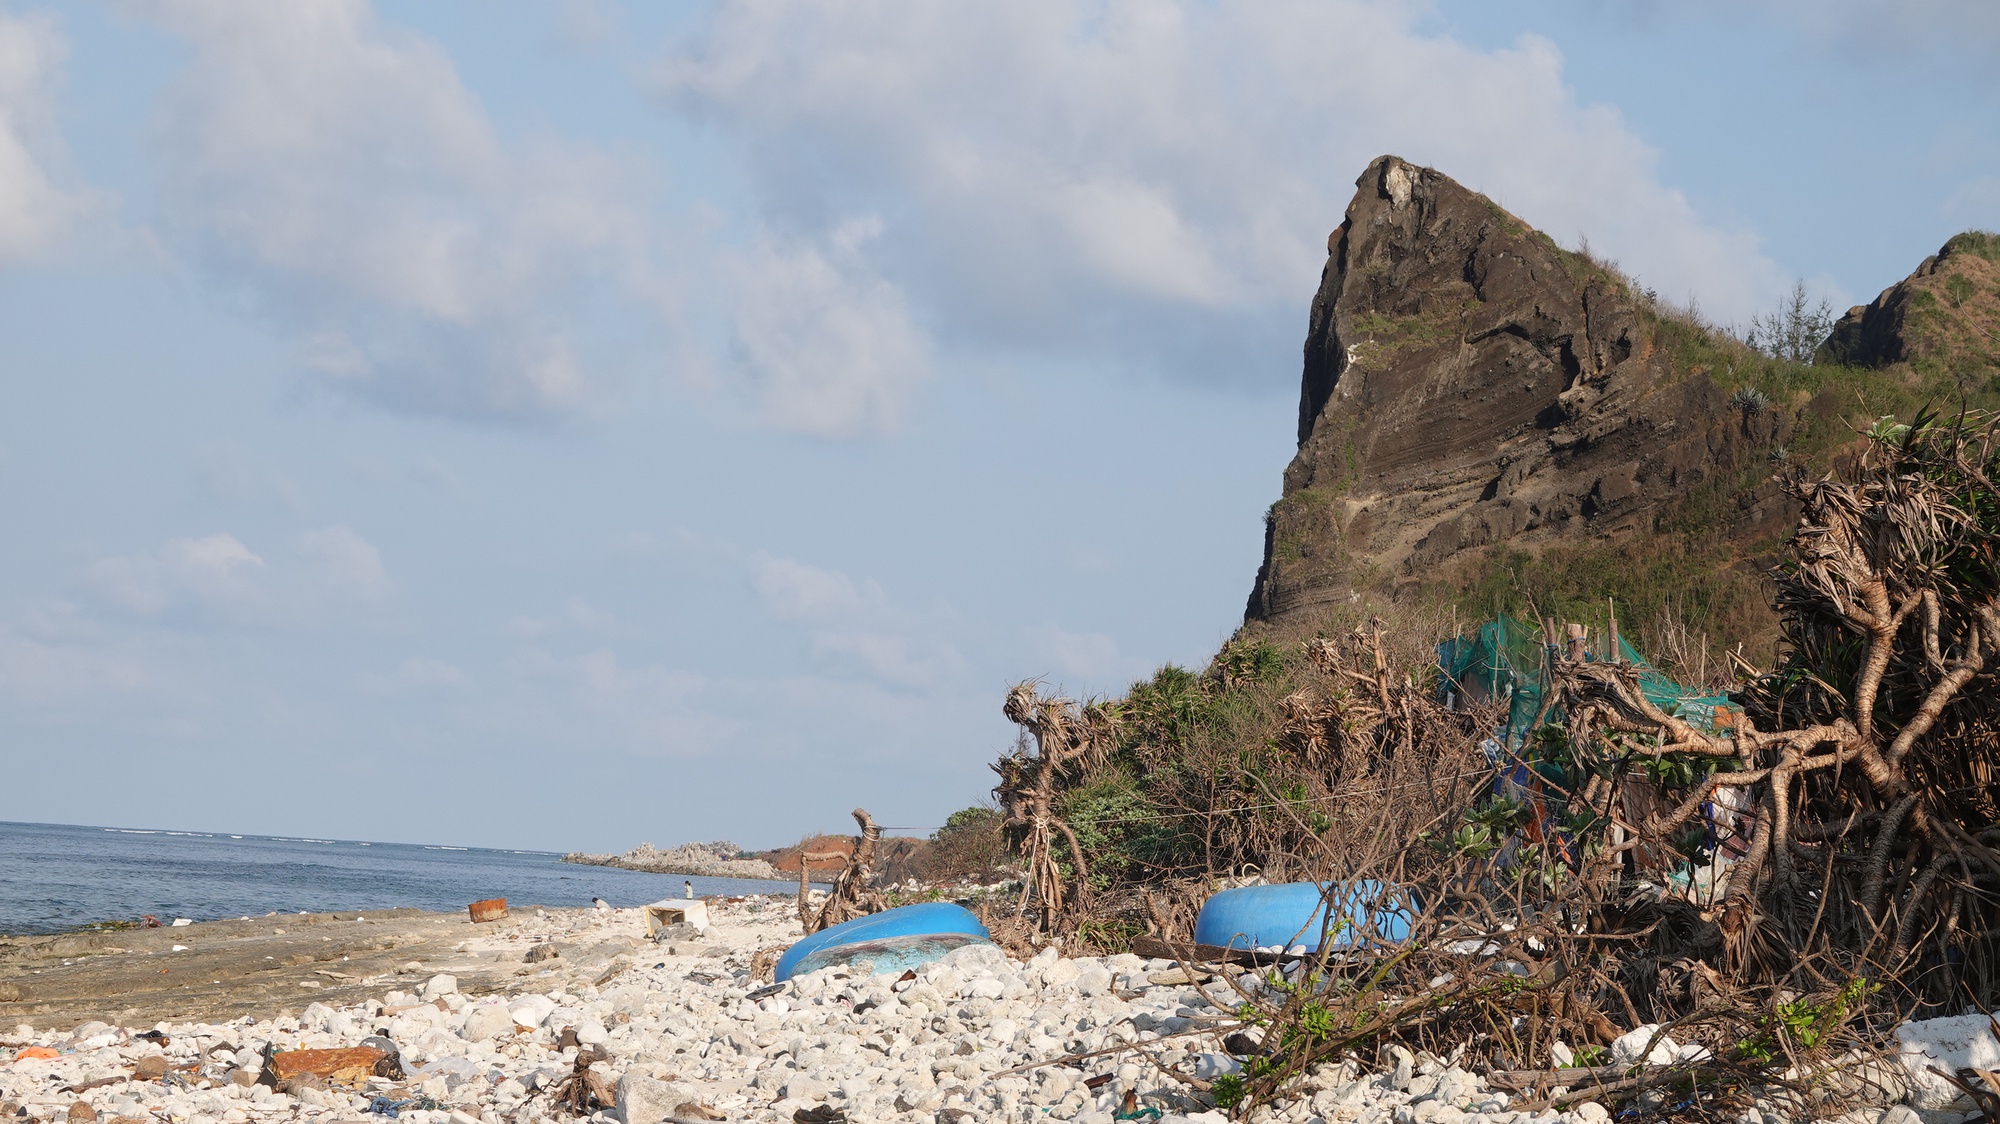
(1691, 589)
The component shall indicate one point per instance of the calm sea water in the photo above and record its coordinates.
(59, 876)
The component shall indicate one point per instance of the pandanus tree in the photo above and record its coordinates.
(1067, 739)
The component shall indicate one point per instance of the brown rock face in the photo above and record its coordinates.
(1947, 313)
(1469, 384)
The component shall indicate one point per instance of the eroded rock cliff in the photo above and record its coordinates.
(1470, 385)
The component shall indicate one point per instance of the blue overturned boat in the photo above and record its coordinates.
(896, 940)
(1291, 914)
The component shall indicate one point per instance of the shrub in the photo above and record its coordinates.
(1795, 330)
(967, 846)
(1750, 400)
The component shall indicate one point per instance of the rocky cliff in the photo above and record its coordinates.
(1945, 317)
(1470, 385)
(1492, 421)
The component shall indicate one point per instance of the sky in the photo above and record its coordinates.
(568, 424)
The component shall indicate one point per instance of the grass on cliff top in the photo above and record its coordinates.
(1982, 243)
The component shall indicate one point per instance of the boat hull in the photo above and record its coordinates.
(1294, 913)
(895, 940)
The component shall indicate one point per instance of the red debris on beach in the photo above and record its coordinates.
(352, 1066)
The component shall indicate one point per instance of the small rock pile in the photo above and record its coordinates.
(709, 860)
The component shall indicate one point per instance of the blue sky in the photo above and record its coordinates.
(618, 422)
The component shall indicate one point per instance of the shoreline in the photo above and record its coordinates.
(217, 878)
(489, 1021)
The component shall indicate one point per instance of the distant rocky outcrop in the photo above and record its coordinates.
(1946, 315)
(896, 860)
(1469, 386)
(710, 860)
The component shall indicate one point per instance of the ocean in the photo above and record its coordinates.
(60, 876)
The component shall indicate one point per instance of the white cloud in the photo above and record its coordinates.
(41, 669)
(345, 562)
(893, 658)
(419, 677)
(853, 625)
(794, 591)
(577, 616)
(337, 165)
(649, 710)
(220, 579)
(1154, 181)
(1089, 657)
(422, 672)
(824, 342)
(216, 572)
(35, 211)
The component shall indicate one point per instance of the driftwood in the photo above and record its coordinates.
(850, 896)
(1867, 762)
(807, 914)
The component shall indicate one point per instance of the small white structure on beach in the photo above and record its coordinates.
(676, 911)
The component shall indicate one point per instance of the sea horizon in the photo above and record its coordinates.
(225, 834)
(60, 877)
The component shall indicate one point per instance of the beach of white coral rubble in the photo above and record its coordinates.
(685, 1031)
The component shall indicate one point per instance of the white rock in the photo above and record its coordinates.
(439, 986)
(1630, 1049)
(644, 1100)
(1208, 1067)
(483, 1023)
(1405, 1071)
(529, 1010)
(561, 1017)
(977, 959)
(1059, 972)
(1950, 1044)
(1590, 1112)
